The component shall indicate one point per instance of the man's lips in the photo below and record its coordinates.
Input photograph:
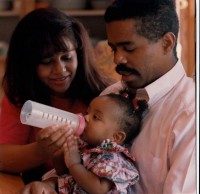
(124, 73)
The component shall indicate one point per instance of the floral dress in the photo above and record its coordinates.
(110, 161)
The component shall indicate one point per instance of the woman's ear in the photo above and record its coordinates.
(168, 41)
(119, 136)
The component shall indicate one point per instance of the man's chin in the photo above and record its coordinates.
(132, 85)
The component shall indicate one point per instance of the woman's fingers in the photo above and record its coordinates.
(51, 139)
(37, 188)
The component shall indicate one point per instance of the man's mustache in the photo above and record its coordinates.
(123, 70)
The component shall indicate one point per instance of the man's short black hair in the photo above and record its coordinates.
(154, 17)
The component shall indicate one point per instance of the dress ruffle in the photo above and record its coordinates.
(110, 161)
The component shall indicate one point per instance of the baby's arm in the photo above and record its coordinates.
(85, 178)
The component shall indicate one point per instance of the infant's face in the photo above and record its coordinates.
(102, 120)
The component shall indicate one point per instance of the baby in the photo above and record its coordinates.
(99, 162)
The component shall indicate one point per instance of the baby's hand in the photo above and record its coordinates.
(51, 139)
(71, 151)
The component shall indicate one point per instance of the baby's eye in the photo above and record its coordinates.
(95, 117)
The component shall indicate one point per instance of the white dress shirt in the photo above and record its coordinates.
(165, 149)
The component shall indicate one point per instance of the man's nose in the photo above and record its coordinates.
(119, 58)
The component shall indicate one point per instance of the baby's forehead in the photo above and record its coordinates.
(107, 106)
(106, 100)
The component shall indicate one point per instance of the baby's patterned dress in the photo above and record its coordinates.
(111, 161)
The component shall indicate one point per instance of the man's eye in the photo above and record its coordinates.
(129, 49)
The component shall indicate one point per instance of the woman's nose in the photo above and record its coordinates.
(59, 67)
(119, 57)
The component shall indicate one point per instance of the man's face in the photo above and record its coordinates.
(138, 60)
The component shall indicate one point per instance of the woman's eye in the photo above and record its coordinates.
(67, 58)
(46, 61)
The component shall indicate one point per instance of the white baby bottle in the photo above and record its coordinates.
(40, 115)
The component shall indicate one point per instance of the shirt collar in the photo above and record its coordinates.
(157, 89)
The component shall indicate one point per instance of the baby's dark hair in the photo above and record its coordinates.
(154, 17)
(131, 115)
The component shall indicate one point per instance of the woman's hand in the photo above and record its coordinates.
(51, 139)
(71, 151)
(38, 187)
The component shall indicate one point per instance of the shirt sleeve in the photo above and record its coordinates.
(12, 131)
(182, 168)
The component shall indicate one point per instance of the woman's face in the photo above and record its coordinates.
(58, 70)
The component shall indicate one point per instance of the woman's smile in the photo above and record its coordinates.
(59, 80)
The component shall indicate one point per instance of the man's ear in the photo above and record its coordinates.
(119, 136)
(168, 41)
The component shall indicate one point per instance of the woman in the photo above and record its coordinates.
(50, 60)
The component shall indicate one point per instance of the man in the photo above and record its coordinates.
(143, 36)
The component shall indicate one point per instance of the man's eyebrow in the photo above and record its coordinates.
(121, 43)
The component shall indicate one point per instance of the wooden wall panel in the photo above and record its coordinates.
(186, 11)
